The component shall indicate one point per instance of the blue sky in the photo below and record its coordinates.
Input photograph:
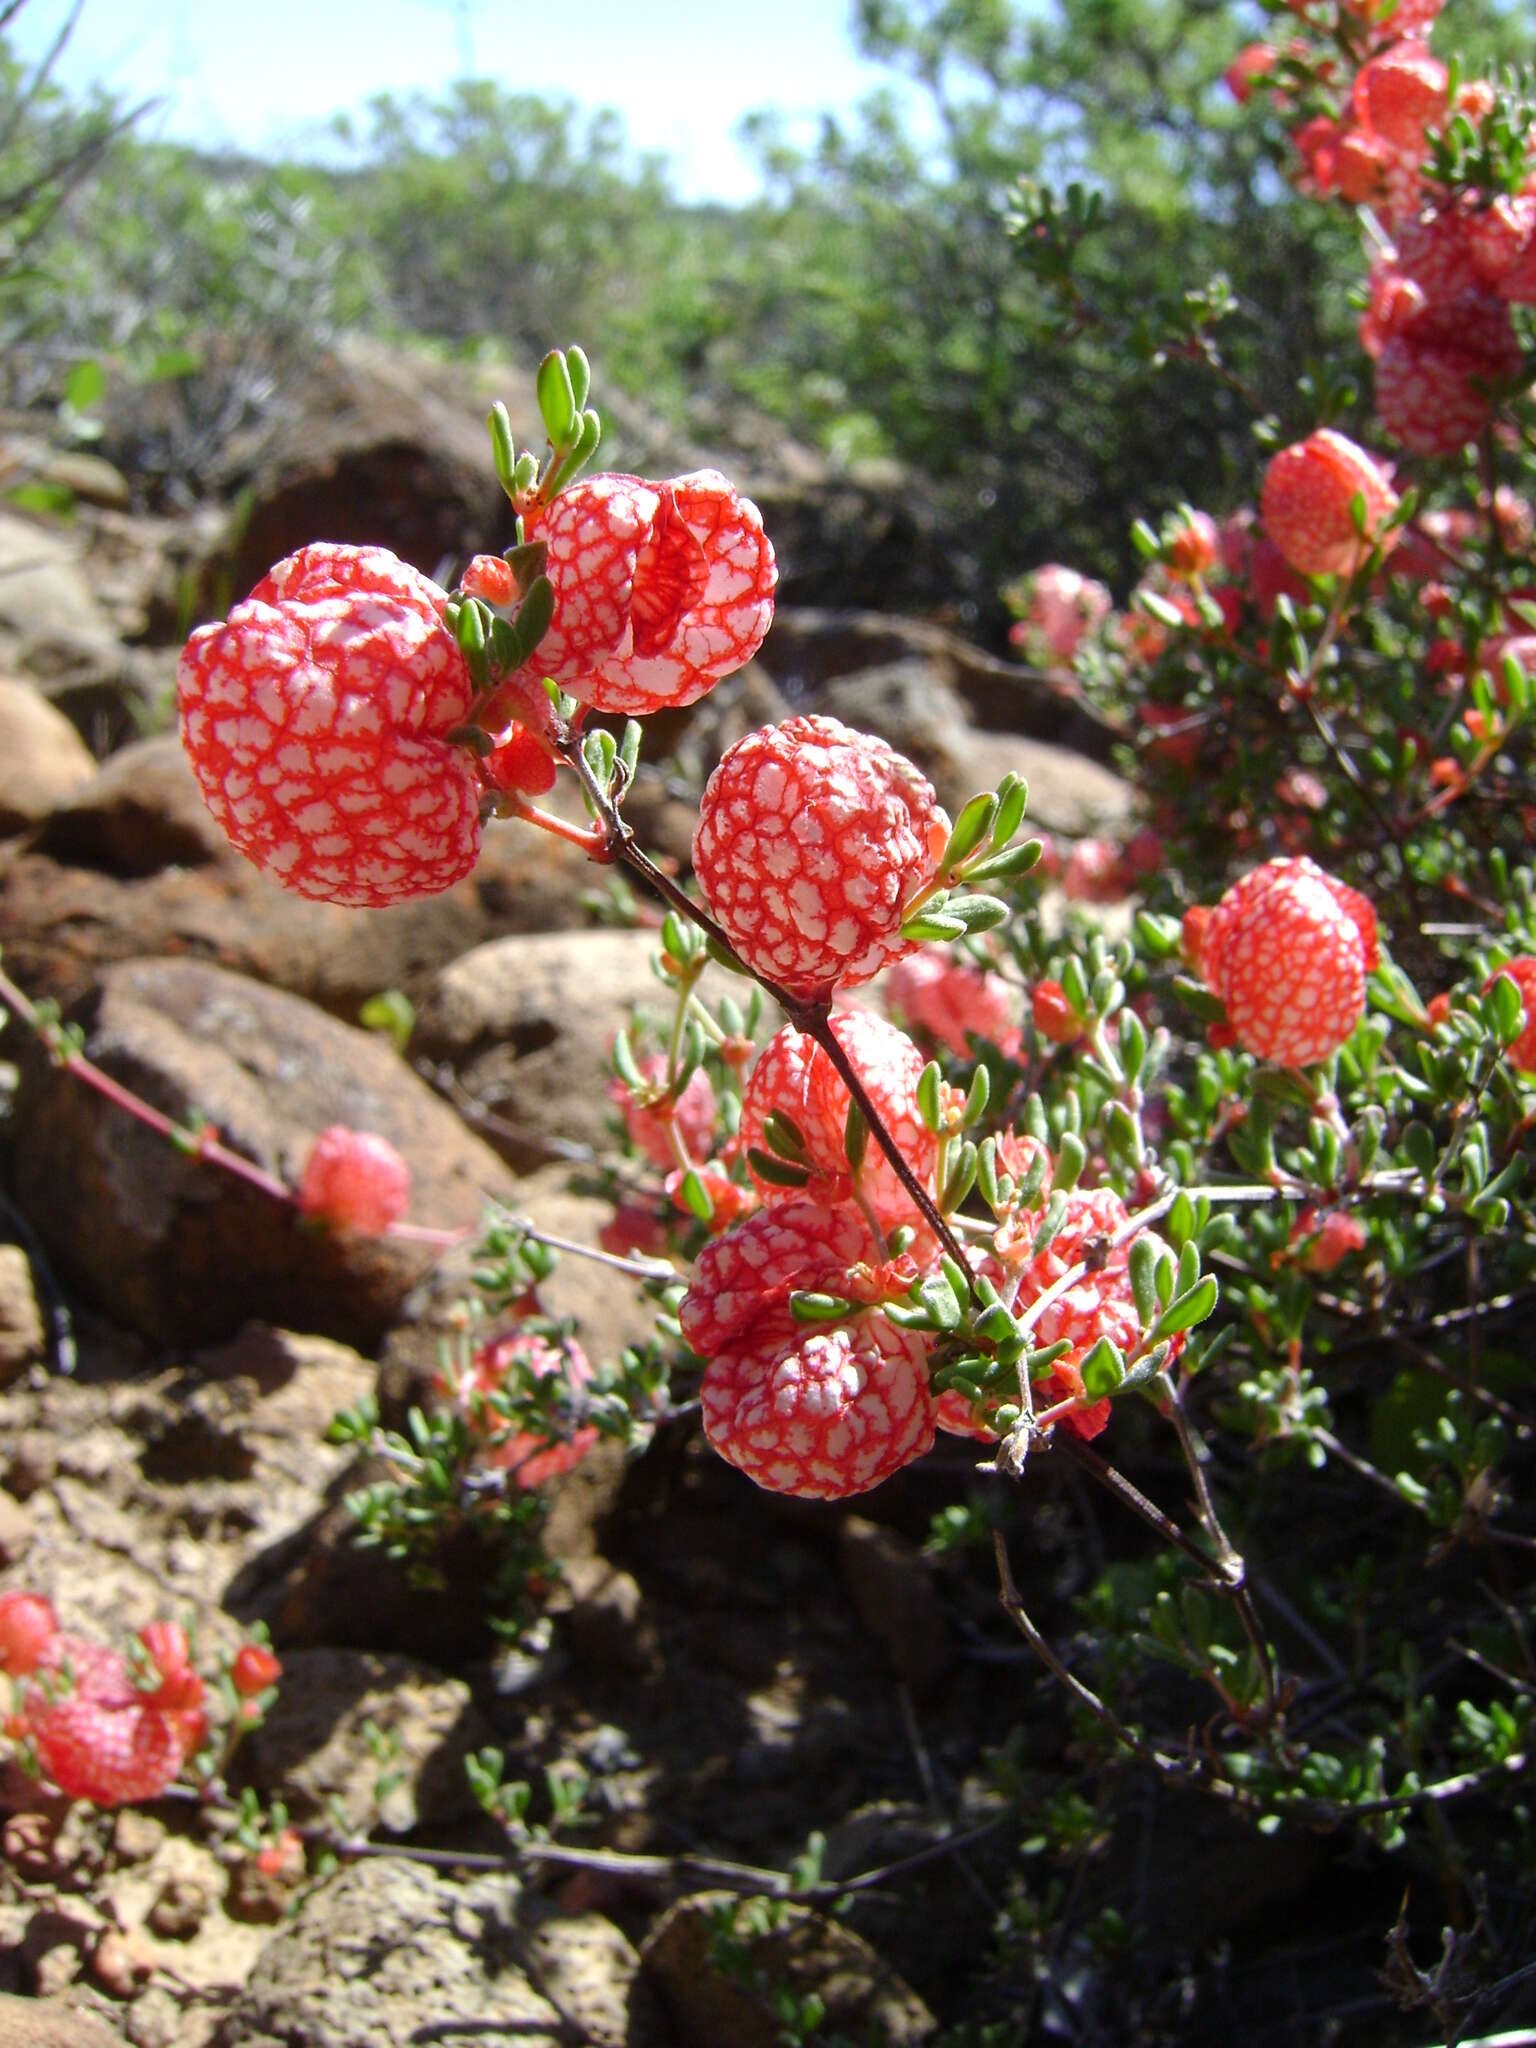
(267, 76)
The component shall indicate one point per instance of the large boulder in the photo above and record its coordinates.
(528, 1024)
(807, 649)
(133, 865)
(181, 1251)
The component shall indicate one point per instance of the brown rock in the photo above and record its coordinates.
(587, 1968)
(135, 866)
(187, 1253)
(42, 758)
(529, 1023)
(782, 1945)
(807, 648)
(49, 2023)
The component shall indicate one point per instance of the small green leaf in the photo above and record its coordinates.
(971, 827)
(581, 375)
(930, 1096)
(777, 1172)
(977, 1098)
(502, 446)
(785, 1137)
(624, 1062)
(1005, 866)
(85, 386)
(807, 1306)
(1071, 1158)
(532, 622)
(697, 1198)
(855, 1136)
(1185, 1310)
(557, 400)
(1103, 1369)
(977, 913)
(1012, 802)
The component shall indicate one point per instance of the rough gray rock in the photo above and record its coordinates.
(186, 1253)
(388, 1955)
(22, 1337)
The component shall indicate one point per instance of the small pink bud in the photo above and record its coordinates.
(355, 1180)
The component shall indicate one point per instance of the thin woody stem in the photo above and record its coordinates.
(1234, 1577)
(814, 1019)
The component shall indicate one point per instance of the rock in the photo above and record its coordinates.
(373, 1741)
(528, 1023)
(186, 1253)
(23, 1340)
(809, 648)
(589, 1971)
(370, 443)
(183, 1492)
(141, 812)
(45, 589)
(388, 1955)
(50, 2023)
(15, 1530)
(42, 757)
(891, 1585)
(907, 703)
(135, 866)
(781, 1946)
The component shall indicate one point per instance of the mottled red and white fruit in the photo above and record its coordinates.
(98, 1735)
(1436, 396)
(816, 1410)
(1522, 972)
(315, 717)
(1309, 492)
(355, 1180)
(1054, 1015)
(811, 843)
(1328, 1240)
(1253, 62)
(796, 1078)
(1288, 949)
(660, 588)
(490, 578)
(753, 1269)
(27, 1626)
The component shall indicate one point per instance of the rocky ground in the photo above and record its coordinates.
(726, 1673)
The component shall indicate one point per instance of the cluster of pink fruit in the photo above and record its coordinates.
(1438, 325)
(335, 725)
(108, 1727)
